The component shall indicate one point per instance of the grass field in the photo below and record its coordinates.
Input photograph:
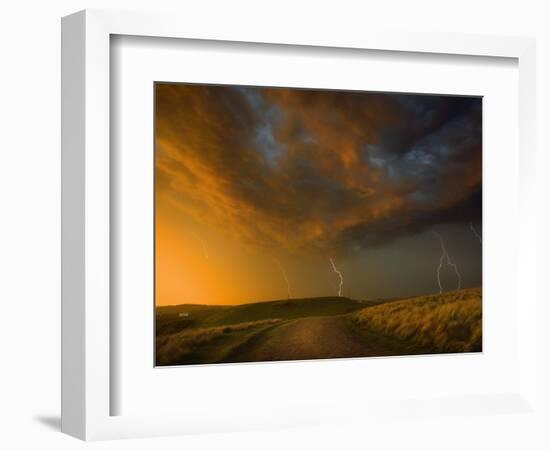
(313, 328)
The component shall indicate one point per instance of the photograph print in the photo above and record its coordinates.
(306, 224)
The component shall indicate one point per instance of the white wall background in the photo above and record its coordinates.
(30, 199)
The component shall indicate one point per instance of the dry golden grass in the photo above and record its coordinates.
(446, 323)
(176, 346)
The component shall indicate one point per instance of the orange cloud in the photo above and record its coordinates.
(314, 171)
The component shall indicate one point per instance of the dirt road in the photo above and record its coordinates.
(311, 338)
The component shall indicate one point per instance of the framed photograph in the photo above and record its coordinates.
(267, 228)
(297, 224)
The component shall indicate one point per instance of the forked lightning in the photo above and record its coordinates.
(341, 286)
(445, 256)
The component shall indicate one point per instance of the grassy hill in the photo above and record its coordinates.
(327, 327)
(175, 318)
(449, 322)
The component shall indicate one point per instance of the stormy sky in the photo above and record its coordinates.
(257, 188)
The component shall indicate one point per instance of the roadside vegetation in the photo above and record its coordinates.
(446, 323)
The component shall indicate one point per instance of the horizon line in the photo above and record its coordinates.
(316, 297)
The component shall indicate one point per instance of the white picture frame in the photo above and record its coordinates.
(86, 220)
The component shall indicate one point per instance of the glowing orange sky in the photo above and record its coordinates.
(251, 182)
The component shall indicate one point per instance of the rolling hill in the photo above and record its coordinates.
(313, 328)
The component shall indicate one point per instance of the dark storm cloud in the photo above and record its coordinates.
(417, 221)
(425, 116)
(318, 170)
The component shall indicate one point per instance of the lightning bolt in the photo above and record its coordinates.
(439, 272)
(340, 275)
(445, 256)
(475, 232)
(283, 271)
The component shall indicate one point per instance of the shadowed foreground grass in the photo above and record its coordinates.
(184, 344)
(330, 327)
